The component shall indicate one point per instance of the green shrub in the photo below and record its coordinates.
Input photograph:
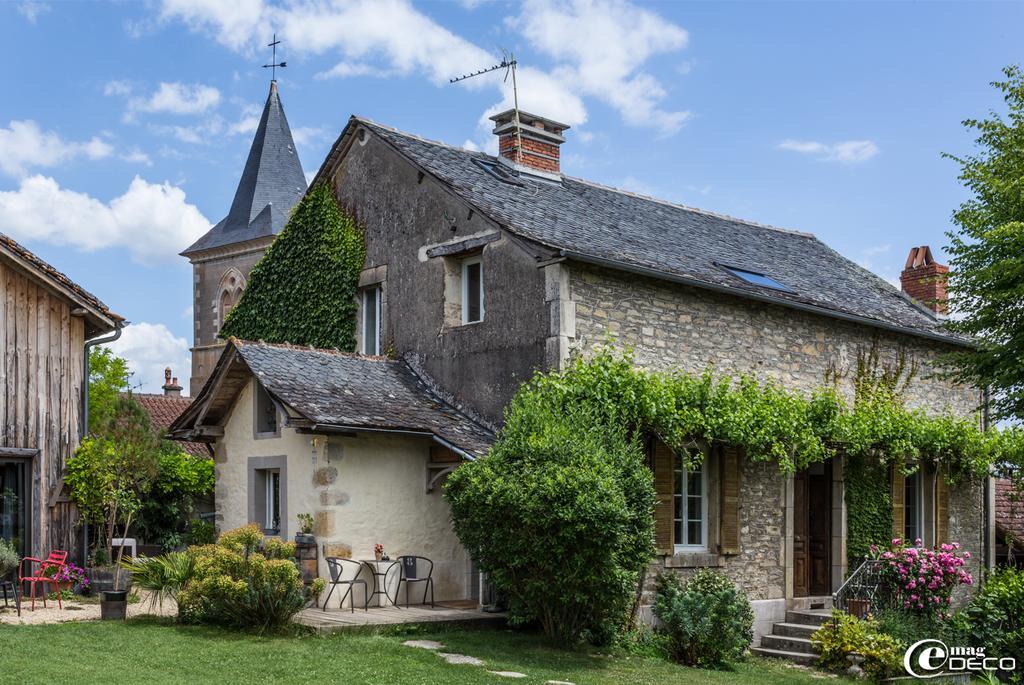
(243, 581)
(707, 621)
(164, 576)
(910, 627)
(200, 532)
(558, 514)
(9, 558)
(845, 634)
(996, 618)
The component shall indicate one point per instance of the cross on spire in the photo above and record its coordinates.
(273, 61)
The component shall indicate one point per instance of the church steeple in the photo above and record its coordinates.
(272, 182)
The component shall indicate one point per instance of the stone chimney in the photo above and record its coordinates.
(541, 139)
(924, 279)
(171, 387)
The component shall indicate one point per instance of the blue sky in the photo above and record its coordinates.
(124, 126)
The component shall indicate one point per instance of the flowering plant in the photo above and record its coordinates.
(378, 548)
(921, 580)
(71, 575)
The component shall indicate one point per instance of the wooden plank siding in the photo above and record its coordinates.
(41, 356)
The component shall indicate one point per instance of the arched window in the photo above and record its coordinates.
(232, 284)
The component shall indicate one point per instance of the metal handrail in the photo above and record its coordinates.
(863, 585)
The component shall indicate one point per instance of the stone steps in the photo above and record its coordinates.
(791, 639)
(795, 657)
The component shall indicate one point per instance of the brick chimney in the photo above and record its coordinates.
(924, 279)
(541, 139)
(171, 387)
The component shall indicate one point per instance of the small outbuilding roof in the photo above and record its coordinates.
(332, 391)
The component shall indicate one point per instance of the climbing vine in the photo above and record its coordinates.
(868, 507)
(770, 422)
(303, 290)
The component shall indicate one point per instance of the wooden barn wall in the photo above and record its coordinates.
(40, 395)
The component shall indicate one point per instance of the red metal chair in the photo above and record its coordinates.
(57, 560)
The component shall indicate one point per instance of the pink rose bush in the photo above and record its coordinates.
(921, 580)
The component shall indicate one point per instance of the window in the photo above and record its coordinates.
(691, 507)
(472, 290)
(272, 512)
(266, 412)
(755, 278)
(913, 519)
(371, 320)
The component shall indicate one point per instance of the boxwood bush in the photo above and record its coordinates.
(708, 622)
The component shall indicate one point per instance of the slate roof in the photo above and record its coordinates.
(272, 182)
(163, 410)
(347, 391)
(593, 222)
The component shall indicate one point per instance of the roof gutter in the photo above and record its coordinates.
(813, 309)
(333, 428)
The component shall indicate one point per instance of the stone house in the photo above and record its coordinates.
(47, 325)
(487, 269)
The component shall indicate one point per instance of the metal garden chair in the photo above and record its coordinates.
(338, 568)
(416, 570)
(57, 560)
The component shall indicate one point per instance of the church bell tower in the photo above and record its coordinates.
(272, 183)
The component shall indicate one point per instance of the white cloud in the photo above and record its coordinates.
(31, 9)
(117, 88)
(150, 220)
(602, 47)
(350, 69)
(310, 175)
(24, 145)
(137, 156)
(307, 135)
(846, 152)
(150, 348)
(174, 98)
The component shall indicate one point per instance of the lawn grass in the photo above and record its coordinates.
(161, 652)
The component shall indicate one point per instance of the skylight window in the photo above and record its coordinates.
(755, 278)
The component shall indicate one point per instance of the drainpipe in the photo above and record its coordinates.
(986, 422)
(85, 412)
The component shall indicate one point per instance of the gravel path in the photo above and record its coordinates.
(76, 611)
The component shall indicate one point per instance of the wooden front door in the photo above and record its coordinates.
(812, 531)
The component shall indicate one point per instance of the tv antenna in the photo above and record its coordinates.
(508, 63)
(273, 61)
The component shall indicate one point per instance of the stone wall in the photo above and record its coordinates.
(676, 326)
(671, 326)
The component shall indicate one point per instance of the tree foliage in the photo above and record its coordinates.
(303, 290)
(108, 379)
(182, 479)
(986, 283)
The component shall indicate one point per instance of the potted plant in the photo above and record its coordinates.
(110, 475)
(378, 552)
(305, 534)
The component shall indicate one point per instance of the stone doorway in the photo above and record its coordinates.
(812, 531)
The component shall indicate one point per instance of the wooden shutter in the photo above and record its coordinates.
(663, 464)
(941, 507)
(729, 531)
(899, 494)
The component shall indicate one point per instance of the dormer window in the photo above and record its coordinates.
(472, 290)
(265, 410)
